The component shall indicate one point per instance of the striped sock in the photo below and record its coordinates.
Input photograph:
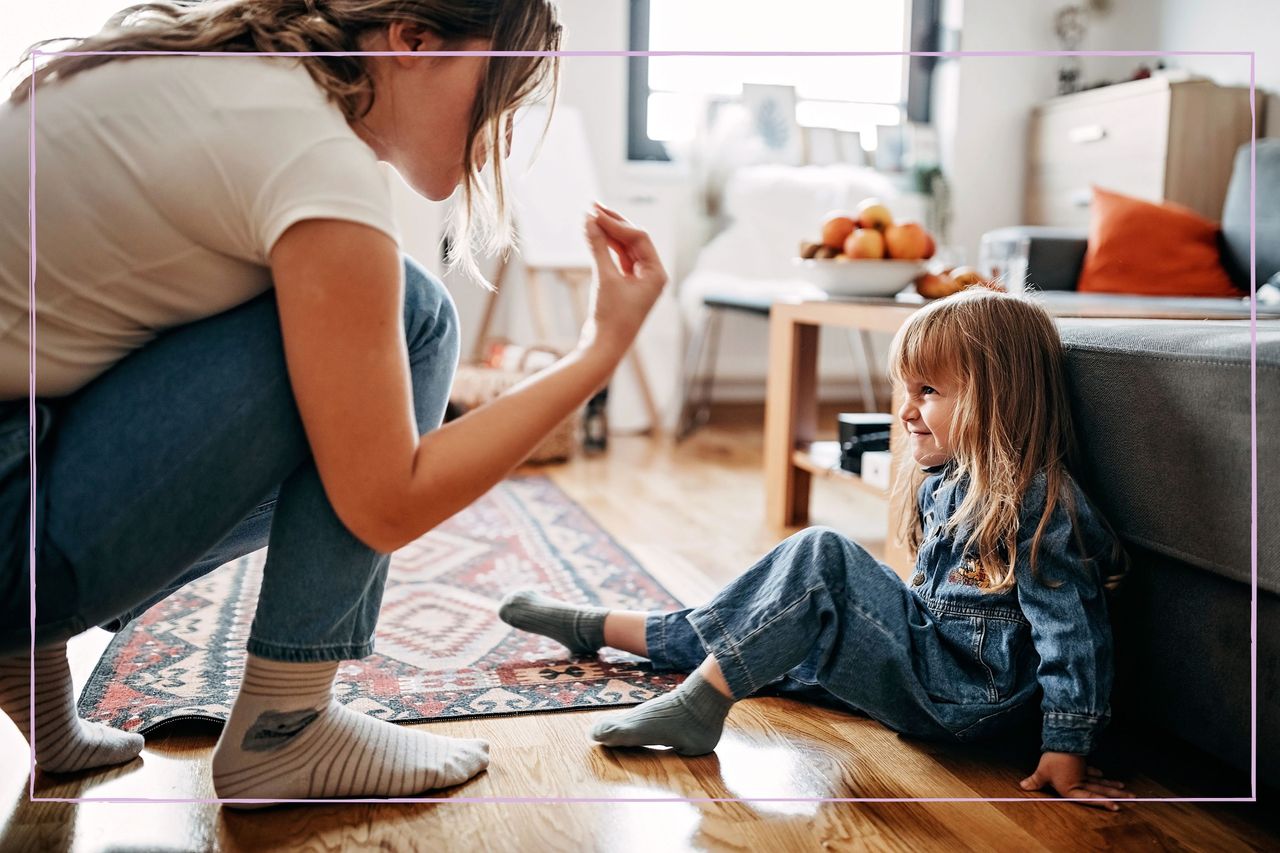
(288, 738)
(64, 742)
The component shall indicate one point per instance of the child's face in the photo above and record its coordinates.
(927, 411)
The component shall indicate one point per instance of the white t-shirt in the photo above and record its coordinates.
(161, 185)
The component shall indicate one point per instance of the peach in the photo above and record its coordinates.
(936, 286)
(966, 276)
(930, 247)
(865, 244)
(873, 214)
(907, 241)
(836, 229)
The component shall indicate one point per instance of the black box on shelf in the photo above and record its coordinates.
(862, 432)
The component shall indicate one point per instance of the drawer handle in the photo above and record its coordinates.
(1086, 133)
(1081, 197)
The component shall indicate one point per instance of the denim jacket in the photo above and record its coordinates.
(1050, 631)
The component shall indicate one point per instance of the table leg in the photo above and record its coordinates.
(790, 418)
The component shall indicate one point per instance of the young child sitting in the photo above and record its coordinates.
(1006, 601)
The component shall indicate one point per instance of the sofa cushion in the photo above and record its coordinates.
(1162, 410)
(1235, 214)
(1153, 249)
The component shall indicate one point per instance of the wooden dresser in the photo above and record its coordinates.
(1161, 139)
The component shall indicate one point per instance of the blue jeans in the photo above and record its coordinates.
(190, 453)
(820, 617)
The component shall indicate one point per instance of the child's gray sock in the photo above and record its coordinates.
(580, 628)
(690, 720)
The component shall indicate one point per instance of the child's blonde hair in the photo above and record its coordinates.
(1011, 420)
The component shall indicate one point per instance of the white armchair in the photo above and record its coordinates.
(747, 266)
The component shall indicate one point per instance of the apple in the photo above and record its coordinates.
(837, 228)
(865, 243)
(907, 241)
(873, 214)
(929, 246)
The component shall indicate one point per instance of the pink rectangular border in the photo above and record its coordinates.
(1253, 416)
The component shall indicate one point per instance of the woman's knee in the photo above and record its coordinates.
(430, 317)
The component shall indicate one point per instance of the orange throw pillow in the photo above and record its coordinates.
(1151, 249)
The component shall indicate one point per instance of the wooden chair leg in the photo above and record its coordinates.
(537, 304)
(708, 378)
(691, 378)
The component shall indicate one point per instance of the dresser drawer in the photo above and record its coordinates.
(1059, 193)
(1116, 129)
(1170, 138)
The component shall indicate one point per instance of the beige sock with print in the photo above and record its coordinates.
(287, 738)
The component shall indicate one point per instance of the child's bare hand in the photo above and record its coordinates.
(1074, 779)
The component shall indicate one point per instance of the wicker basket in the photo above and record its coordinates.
(476, 384)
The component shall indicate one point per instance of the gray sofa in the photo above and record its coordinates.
(1162, 408)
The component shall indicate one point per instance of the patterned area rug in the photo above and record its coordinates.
(440, 650)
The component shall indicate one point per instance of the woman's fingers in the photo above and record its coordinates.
(636, 240)
(624, 257)
(599, 243)
(609, 210)
(604, 261)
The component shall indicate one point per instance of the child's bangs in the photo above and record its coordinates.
(926, 349)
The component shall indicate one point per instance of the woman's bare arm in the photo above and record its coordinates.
(339, 288)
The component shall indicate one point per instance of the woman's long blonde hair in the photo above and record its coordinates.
(290, 26)
(1012, 420)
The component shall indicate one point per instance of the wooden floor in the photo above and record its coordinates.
(693, 514)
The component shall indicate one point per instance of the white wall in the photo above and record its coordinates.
(982, 103)
(1228, 25)
(653, 195)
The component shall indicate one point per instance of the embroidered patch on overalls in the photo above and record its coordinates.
(970, 574)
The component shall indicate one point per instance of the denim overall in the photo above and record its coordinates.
(938, 656)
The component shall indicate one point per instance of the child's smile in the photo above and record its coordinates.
(926, 412)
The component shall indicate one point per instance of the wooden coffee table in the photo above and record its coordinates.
(791, 458)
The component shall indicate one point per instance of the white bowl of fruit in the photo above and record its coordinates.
(866, 253)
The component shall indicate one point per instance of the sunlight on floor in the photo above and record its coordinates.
(154, 828)
(646, 827)
(750, 770)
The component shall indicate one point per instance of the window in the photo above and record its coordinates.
(668, 95)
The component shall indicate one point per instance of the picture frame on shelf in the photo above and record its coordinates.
(773, 116)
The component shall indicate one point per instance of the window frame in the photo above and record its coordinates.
(923, 35)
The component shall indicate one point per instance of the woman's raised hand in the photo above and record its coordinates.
(625, 287)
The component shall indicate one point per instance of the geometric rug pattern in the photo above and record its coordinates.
(440, 649)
